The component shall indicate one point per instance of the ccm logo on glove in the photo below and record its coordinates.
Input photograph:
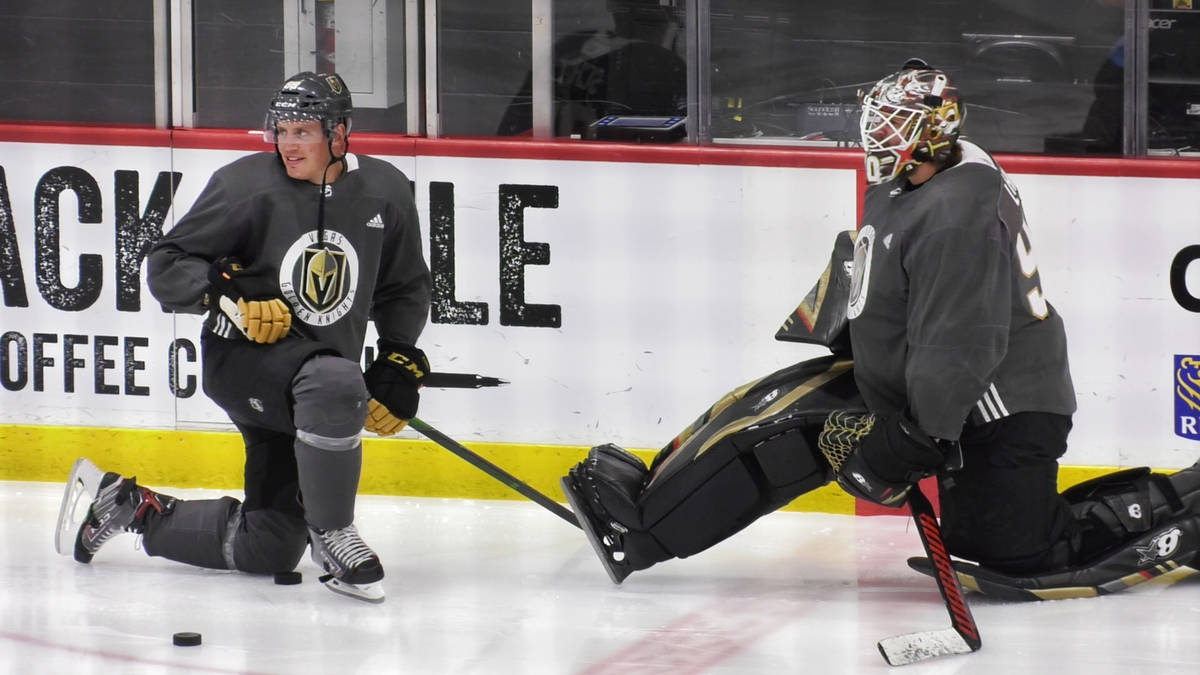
(394, 380)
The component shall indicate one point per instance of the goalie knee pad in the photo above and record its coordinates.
(1114, 509)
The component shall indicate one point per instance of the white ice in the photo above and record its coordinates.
(507, 587)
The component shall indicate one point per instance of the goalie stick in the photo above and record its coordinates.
(492, 470)
(962, 637)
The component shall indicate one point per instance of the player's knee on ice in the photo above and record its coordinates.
(269, 541)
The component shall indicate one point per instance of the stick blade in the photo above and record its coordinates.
(901, 650)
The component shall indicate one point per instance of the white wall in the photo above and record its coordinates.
(671, 280)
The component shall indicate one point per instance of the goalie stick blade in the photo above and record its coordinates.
(82, 486)
(963, 635)
(901, 650)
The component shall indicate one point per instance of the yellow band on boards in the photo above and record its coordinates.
(404, 466)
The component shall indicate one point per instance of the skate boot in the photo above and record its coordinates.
(604, 533)
(120, 505)
(351, 567)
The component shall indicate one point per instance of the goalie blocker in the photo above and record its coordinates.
(748, 455)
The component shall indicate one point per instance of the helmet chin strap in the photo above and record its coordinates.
(333, 159)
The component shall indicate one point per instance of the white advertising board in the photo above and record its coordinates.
(619, 299)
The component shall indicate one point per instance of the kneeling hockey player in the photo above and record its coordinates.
(289, 252)
(959, 370)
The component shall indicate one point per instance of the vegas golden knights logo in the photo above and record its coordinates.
(323, 273)
(320, 282)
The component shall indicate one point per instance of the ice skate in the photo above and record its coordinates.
(84, 481)
(351, 567)
(120, 505)
(603, 534)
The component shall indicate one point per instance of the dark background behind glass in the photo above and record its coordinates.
(1037, 76)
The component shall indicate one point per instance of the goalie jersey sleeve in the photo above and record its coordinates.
(948, 316)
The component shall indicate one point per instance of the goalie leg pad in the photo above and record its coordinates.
(741, 478)
(1169, 551)
(1113, 509)
(721, 490)
(1130, 526)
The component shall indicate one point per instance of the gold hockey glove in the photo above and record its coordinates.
(250, 301)
(382, 422)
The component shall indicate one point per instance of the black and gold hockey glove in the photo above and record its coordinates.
(394, 380)
(878, 458)
(250, 301)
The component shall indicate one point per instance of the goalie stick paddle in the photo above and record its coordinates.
(962, 637)
(492, 470)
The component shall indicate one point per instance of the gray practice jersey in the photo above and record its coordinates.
(371, 264)
(947, 315)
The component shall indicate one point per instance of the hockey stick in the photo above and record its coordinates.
(460, 381)
(493, 470)
(962, 637)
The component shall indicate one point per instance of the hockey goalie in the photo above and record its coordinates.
(947, 360)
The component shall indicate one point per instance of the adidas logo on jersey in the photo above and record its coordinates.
(376, 222)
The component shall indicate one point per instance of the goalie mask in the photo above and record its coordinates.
(909, 117)
(307, 96)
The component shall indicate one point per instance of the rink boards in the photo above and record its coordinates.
(620, 289)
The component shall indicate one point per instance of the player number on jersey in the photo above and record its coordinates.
(1034, 298)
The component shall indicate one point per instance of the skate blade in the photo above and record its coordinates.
(83, 482)
(372, 592)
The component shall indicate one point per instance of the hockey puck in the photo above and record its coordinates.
(186, 639)
(288, 578)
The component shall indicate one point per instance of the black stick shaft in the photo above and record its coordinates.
(493, 470)
(460, 381)
(947, 581)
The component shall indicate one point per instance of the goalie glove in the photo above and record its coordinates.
(394, 380)
(250, 301)
(876, 458)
